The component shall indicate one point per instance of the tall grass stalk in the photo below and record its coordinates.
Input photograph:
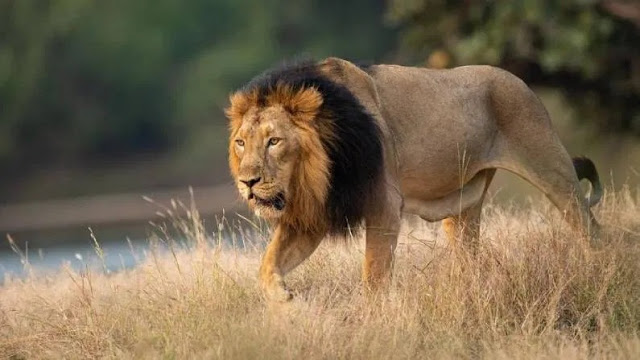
(534, 290)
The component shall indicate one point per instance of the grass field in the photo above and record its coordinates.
(535, 290)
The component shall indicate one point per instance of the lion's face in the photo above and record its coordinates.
(267, 149)
(276, 154)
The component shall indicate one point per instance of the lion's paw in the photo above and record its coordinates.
(278, 293)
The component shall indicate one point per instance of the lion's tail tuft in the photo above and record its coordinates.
(585, 169)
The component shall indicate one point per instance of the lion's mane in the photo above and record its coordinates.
(342, 150)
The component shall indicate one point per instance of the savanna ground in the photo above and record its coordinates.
(535, 290)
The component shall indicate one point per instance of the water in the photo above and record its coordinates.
(117, 255)
(47, 251)
(123, 246)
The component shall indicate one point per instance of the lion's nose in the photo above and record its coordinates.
(250, 182)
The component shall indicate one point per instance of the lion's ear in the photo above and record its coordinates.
(303, 104)
(239, 104)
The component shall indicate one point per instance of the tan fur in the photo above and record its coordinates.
(445, 132)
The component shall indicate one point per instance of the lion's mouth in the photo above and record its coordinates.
(277, 202)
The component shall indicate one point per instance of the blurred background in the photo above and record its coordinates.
(102, 102)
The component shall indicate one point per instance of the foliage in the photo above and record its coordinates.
(587, 47)
(86, 80)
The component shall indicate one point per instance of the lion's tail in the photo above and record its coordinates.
(585, 169)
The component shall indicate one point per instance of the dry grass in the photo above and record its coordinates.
(534, 291)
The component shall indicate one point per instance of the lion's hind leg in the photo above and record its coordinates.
(527, 145)
(464, 228)
(560, 185)
(548, 166)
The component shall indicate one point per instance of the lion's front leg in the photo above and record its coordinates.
(381, 241)
(378, 257)
(286, 250)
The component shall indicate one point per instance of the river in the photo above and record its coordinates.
(122, 246)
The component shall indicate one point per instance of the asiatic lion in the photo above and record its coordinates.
(319, 148)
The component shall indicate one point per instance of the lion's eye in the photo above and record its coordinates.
(274, 141)
(240, 142)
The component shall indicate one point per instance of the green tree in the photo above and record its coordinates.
(587, 47)
(84, 80)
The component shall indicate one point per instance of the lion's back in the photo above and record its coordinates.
(437, 115)
(434, 110)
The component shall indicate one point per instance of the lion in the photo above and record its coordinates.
(323, 148)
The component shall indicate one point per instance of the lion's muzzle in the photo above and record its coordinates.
(277, 202)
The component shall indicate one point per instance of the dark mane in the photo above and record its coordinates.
(355, 151)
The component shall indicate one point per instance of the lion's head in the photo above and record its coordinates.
(302, 150)
(275, 154)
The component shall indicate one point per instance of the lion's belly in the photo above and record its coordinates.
(450, 204)
(435, 179)
(439, 164)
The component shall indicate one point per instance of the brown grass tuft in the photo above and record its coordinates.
(534, 291)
